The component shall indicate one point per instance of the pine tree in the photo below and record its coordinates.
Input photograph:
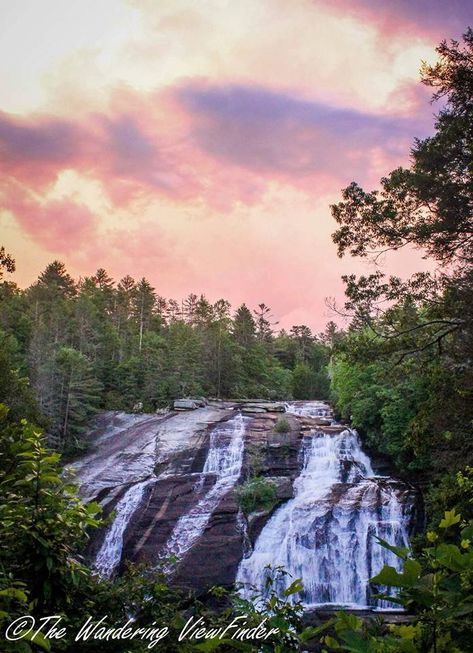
(263, 323)
(244, 327)
(78, 396)
(144, 300)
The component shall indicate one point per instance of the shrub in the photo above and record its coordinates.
(256, 494)
(436, 587)
(282, 425)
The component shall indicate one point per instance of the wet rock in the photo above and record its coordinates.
(215, 557)
(171, 451)
(185, 404)
(263, 407)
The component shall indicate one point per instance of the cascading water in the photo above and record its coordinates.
(110, 553)
(308, 409)
(325, 534)
(224, 460)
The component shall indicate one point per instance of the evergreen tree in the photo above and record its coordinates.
(144, 301)
(78, 395)
(244, 327)
(264, 325)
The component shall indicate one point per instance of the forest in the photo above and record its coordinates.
(400, 371)
(95, 345)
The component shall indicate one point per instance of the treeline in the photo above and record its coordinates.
(96, 344)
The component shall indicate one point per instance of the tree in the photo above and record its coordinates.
(123, 313)
(308, 383)
(304, 340)
(403, 372)
(189, 307)
(244, 327)
(428, 206)
(42, 524)
(15, 390)
(331, 336)
(7, 263)
(144, 299)
(263, 322)
(78, 395)
(51, 302)
(55, 282)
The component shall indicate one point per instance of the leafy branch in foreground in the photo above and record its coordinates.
(436, 587)
(43, 525)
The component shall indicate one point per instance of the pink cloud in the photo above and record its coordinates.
(304, 143)
(219, 144)
(57, 225)
(436, 19)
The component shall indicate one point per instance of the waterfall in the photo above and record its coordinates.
(110, 553)
(308, 409)
(224, 460)
(325, 534)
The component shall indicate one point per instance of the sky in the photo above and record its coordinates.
(200, 143)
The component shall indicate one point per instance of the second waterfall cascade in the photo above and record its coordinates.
(224, 460)
(325, 535)
(109, 554)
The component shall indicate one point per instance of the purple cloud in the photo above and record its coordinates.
(441, 18)
(50, 140)
(269, 131)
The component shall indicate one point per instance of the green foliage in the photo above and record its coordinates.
(404, 372)
(280, 606)
(258, 493)
(42, 523)
(7, 263)
(282, 425)
(15, 390)
(383, 402)
(96, 344)
(436, 587)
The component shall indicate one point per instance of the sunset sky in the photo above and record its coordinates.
(200, 143)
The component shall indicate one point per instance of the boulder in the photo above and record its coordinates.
(185, 404)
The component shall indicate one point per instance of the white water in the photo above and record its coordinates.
(110, 552)
(325, 534)
(309, 409)
(224, 460)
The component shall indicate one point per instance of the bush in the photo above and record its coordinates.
(257, 494)
(282, 425)
(436, 587)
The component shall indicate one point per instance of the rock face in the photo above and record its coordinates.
(171, 479)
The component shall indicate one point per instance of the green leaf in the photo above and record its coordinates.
(388, 576)
(14, 593)
(451, 557)
(36, 638)
(450, 519)
(411, 572)
(313, 631)
(348, 621)
(466, 608)
(355, 642)
(332, 642)
(400, 551)
(214, 643)
(295, 587)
